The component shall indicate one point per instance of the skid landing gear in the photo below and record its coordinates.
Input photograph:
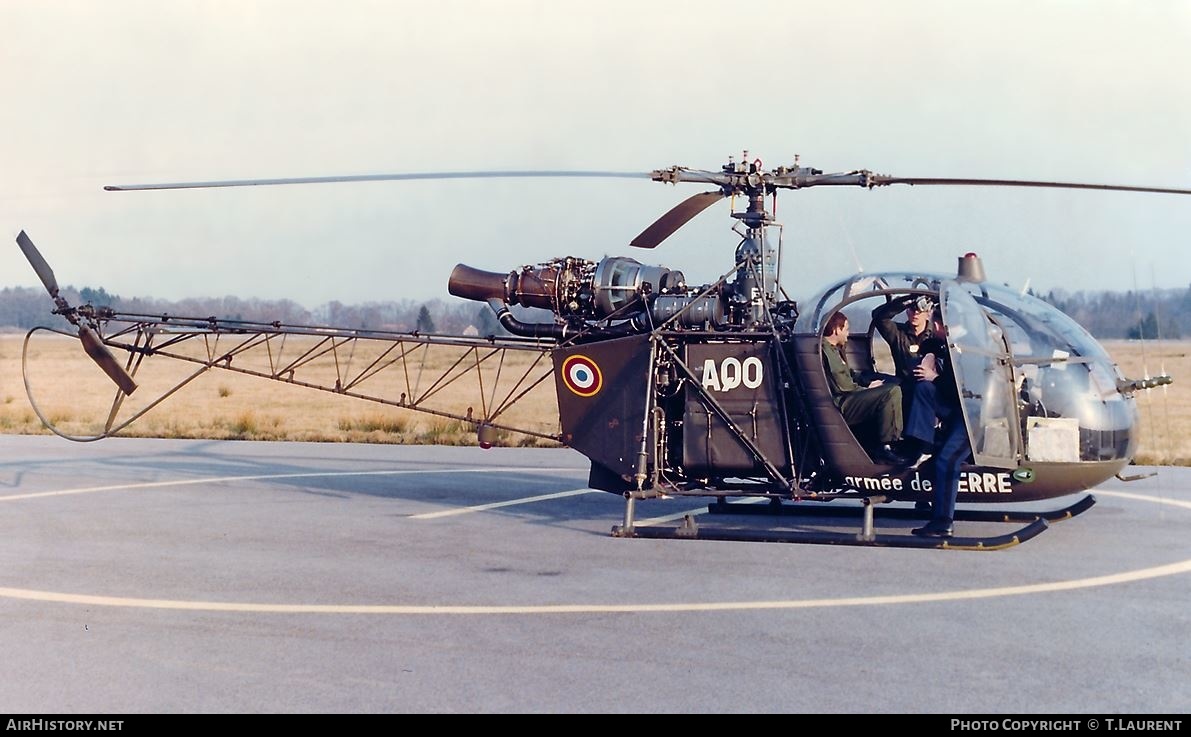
(1033, 523)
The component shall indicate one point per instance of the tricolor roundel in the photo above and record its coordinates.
(582, 376)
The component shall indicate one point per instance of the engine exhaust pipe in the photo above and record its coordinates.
(531, 287)
(477, 285)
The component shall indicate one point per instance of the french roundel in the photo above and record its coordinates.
(582, 376)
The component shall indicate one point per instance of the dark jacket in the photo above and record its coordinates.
(945, 387)
(904, 344)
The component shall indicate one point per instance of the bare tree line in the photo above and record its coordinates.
(22, 308)
(1153, 314)
(1163, 314)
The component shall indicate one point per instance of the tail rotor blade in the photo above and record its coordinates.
(90, 339)
(44, 272)
(678, 216)
(103, 357)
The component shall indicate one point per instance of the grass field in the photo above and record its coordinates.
(76, 396)
(73, 394)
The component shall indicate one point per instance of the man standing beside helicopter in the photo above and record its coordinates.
(905, 341)
(936, 424)
(880, 401)
(905, 338)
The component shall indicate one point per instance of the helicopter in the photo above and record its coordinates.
(714, 390)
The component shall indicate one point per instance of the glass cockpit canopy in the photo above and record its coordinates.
(1069, 407)
(1035, 328)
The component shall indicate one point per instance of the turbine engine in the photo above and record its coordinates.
(614, 289)
(572, 287)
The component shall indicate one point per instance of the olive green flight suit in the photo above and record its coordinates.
(881, 405)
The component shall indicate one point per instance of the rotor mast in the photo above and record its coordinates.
(756, 259)
(754, 288)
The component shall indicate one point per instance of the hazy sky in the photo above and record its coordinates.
(125, 91)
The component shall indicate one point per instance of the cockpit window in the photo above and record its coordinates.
(1060, 382)
(1066, 383)
(819, 308)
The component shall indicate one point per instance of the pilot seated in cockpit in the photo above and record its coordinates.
(879, 402)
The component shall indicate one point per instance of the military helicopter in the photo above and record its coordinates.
(713, 390)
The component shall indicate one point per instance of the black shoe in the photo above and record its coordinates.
(887, 455)
(934, 528)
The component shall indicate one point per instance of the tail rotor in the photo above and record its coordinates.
(92, 342)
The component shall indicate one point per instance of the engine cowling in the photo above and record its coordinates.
(616, 287)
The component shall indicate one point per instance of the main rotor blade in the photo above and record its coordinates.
(103, 357)
(665, 226)
(39, 264)
(881, 180)
(384, 178)
(806, 177)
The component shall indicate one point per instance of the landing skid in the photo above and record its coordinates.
(826, 509)
(1035, 523)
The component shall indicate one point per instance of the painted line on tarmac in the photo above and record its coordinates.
(509, 503)
(391, 609)
(559, 495)
(1144, 498)
(1141, 574)
(696, 511)
(269, 477)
